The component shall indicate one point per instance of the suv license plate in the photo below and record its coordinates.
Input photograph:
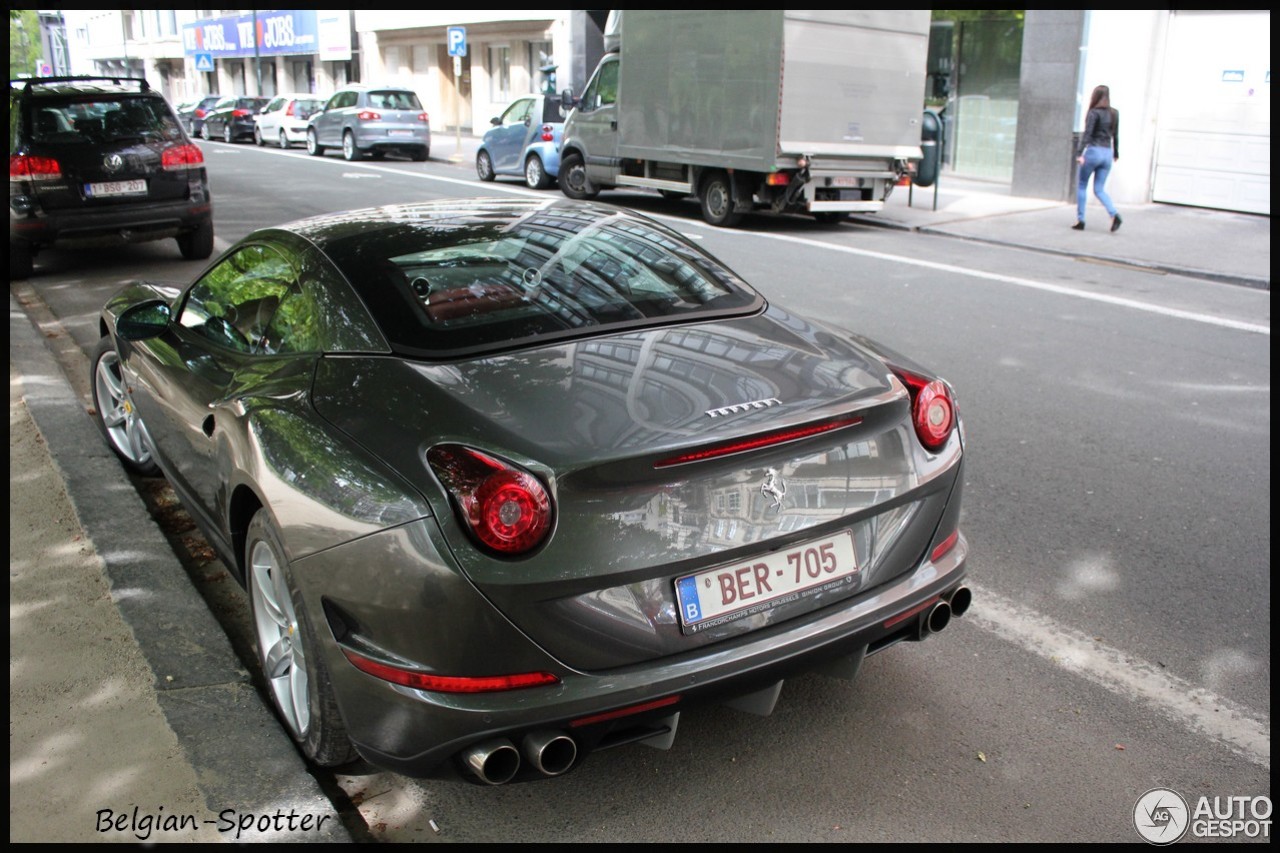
(741, 589)
(138, 187)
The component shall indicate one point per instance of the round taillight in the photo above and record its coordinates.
(513, 512)
(505, 508)
(934, 414)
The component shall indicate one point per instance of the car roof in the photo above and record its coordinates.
(80, 85)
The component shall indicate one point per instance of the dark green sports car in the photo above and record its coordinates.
(510, 482)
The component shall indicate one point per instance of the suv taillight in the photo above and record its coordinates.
(505, 508)
(29, 167)
(933, 409)
(369, 115)
(424, 118)
(181, 157)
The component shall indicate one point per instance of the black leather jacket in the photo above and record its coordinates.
(1102, 128)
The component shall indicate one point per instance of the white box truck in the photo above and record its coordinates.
(814, 112)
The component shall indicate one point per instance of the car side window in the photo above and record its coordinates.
(603, 89)
(295, 326)
(233, 304)
(517, 112)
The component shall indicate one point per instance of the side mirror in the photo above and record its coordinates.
(495, 121)
(567, 100)
(144, 320)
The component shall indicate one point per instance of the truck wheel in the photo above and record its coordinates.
(573, 178)
(716, 196)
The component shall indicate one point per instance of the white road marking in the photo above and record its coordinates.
(1032, 284)
(1201, 710)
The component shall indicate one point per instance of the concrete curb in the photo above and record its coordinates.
(242, 758)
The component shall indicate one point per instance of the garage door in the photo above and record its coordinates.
(1214, 138)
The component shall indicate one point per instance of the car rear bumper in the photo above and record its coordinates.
(381, 141)
(420, 733)
(109, 226)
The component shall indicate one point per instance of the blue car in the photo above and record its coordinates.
(524, 141)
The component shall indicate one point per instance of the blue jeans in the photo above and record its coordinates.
(1097, 163)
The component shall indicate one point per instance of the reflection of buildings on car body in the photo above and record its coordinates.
(1193, 85)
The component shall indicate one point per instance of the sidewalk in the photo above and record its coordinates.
(130, 718)
(124, 691)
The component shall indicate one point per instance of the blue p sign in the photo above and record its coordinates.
(457, 41)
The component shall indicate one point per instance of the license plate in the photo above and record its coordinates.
(116, 188)
(733, 591)
(399, 133)
(839, 181)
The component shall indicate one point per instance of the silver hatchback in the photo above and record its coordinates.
(371, 120)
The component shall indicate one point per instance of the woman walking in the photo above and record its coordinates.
(1099, 149)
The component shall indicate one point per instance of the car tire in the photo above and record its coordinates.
(484, 167)
(297, 679)
(421, 155)
(314, 148)
(257, 137)
(284, 139)
(535, 174)
(350, 151)
(227, 136)
(21, 261)
(715, 195)
(204, 132)
(114, 413)
(198, 244)
(573, 178)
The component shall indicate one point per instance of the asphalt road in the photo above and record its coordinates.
(1117, 505)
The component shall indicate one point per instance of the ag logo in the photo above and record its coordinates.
(1161, 816)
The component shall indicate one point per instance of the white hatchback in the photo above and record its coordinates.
(283, 121)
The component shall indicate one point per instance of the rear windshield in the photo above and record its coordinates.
(485, 283)
(90, 121)
(394, 101)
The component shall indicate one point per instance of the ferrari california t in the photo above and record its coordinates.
(511, 482)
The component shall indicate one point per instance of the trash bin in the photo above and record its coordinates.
(931, 142)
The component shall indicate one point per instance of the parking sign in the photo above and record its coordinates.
(457, 41)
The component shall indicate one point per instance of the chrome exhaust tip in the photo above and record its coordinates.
(493, 762)
(939, 617)
(551, 752)
(960, 601)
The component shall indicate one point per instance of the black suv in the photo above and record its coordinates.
(101, 161)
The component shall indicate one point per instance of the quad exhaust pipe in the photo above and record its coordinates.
(497, 761)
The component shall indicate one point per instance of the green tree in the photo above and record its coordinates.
(24, 43)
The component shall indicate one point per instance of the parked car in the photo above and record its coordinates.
(376, 120)
(283, 121)
(101, 161)
(232, 119)
(567, 476)
(524, 141)
(195, 118)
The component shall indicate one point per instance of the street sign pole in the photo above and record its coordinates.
(457, 38)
